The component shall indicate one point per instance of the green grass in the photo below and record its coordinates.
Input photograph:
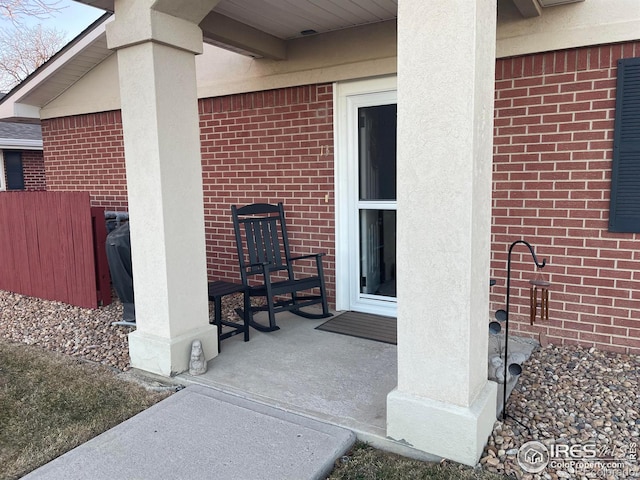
(367, 463)
(50, 403)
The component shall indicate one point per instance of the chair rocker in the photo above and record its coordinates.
(267, 267)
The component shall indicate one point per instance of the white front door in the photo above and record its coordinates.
(366, 197)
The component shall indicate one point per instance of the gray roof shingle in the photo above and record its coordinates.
(20, 131)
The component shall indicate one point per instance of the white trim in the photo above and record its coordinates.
(20, 144)
(567, 26)
(346, 96)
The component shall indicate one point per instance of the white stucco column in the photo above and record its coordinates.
(156, 63)
(444, 404)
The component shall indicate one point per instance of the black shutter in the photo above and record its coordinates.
(624, 210)
(13, 169)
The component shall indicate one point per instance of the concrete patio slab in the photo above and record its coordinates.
(326, 376)
(201, 433)
(333, 378)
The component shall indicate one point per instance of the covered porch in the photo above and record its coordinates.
(442, 403)
(431, 392)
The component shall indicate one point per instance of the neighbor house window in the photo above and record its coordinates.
(624, 211)
(3, 185)
(13, 170)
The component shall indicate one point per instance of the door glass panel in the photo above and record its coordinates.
(378, 252)
(377, 183)
(377, 152)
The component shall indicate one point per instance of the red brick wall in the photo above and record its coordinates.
(33, 170)
(267, 147)
(554, 120)
(86, 152)
(552, 163)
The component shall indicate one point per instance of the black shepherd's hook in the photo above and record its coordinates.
(506, 330)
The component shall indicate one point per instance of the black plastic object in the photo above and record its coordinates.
(115, 219)
(119, 258)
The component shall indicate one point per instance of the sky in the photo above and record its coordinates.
(72, 19)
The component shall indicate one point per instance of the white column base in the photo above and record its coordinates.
(170, 356)
(443, 429)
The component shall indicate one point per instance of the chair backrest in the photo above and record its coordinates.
(261, 237)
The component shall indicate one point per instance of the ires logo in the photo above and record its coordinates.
(533, 457)
(573, 452)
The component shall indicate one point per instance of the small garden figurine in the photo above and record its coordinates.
(198, 364)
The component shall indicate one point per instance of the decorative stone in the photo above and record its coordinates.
(198, 364)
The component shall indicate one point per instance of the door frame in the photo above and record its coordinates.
(347, 97)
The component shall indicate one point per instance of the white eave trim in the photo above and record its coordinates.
(20, 144)
(16, 110)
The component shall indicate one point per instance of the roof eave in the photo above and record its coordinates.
(15, 107)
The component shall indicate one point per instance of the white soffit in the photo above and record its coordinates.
(286, 19)
(74, 68)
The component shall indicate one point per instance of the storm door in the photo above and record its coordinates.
(373, 203)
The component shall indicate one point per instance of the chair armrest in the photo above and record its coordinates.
(265, 268)
(311, 255)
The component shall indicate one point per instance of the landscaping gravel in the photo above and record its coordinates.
(583, 398)
(79, 332)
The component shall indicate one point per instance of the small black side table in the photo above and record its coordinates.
(219, 289)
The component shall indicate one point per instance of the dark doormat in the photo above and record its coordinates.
(363, 325)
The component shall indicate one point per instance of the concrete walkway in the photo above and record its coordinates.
(202, 433)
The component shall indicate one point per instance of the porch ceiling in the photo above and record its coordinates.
(286, 19)
(260, 28)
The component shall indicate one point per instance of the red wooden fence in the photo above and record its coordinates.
(52, 246)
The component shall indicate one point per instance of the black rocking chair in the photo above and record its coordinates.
(266, 265)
